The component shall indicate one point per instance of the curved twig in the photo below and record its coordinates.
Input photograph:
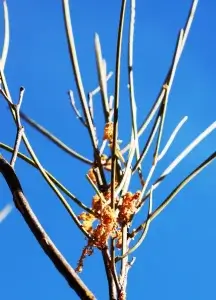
(54, 139)
(51, 177)
(178, 188)
(6, 35)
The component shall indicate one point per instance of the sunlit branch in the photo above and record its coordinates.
(40, 234)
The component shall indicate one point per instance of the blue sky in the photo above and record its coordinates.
(177, 259)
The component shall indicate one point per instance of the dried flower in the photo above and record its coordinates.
(122, 296)
(118, 238)
(87, 251)
(106, 228)
(97, 203)
(91, 175)
(128, 207)
(108, 131)
(88, 220)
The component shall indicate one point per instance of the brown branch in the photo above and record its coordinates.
(42, 237)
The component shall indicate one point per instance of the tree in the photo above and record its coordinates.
(109, 220)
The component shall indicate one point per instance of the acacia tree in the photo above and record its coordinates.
(108, 225)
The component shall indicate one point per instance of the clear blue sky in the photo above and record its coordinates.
(177, 260)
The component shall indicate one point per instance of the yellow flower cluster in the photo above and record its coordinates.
(128, 207)
(108, 131)
(109, 224)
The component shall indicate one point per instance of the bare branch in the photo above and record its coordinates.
(172, 137)
(40, 234)
(6, 35)
(179, 158)
(77, 113)
(115, 165)
(116, 101)
(180, 186)
(20, 128)
(101, 67)
(51, 177)
(76, 71)
(131, 81)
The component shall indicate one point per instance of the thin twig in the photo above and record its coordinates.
(167, 85)
(110, 280)
(172, 70)
(97, 89)
(96, 189)
(115, 165)
(73, 104)
(6, 36)
(101, 67)
(149, 117)
(180, 157)
(124, 261)
(129, 265)
(116, 101)
(37, 162)
(128, 169)
(93, 93)
(171, 196)
(76, 71)
(148, 143)
(113, 270)
(179, 49)
(131, 83)
(52, 178)
(111, 275)
(187, 150)
(20, 128)
(90, 105)
(54, 139)
(172, 137)
(79, 84)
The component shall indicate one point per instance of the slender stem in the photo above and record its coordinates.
(131, 80)
(101, 67)
(148, 143)
(179, 158)
(76, 71)
(37, 162)
(96, 189)
(54, 139)
(76, 111)
(172, 137)
(149, 116)
(110, 275)
(52, 178)
(167, 85)
(20, 128)
(115, 117)
(180, 186)
(172, 70)
(6, 36)
(116, 100)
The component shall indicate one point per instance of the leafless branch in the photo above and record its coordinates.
(40, 234)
